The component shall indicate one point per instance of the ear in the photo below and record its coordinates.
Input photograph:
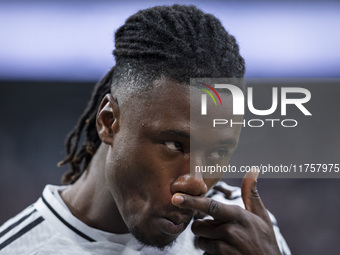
(107, 119)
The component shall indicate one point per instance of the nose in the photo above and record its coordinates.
(189, 184)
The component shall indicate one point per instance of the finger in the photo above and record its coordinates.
(205, 228)
(219, 211)
(251, 197)
(215, 247)
(212, 229)
(199, 215)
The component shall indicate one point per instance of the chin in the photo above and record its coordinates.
(161, 241)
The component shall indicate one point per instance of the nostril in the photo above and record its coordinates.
(199, 186)
(189, 185)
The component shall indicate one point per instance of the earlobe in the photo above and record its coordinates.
(107, 119)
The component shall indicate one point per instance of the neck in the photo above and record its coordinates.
(90, 200)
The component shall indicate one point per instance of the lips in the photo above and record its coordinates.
(173, 225)
(170, 228)
(178, 219)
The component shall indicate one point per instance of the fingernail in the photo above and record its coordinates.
(256, 173)
(254, 189)
(177, 199)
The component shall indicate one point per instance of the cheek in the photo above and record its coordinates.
(138, 183)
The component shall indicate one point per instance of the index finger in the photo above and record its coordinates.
(217, 210)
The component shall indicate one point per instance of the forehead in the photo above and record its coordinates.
(203, 127)
(168, 106)
(165, 101)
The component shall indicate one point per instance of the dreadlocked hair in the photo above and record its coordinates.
(178, 42)
(79, 159)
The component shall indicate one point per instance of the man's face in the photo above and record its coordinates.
(149, 161)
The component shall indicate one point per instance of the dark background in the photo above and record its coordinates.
(52, 52)
(36, 117)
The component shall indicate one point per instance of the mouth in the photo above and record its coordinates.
(173, 225)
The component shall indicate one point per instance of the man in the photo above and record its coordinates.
(131, 191)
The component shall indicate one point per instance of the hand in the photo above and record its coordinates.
(233, 230)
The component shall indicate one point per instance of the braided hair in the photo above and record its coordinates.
(178, 42)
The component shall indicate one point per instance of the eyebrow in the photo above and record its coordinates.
(176, 133)
(229, 141)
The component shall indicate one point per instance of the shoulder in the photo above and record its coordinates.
(227, 194)
(24, 233)
(32, 232)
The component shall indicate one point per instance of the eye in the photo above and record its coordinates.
(218, 154)
(174, 146)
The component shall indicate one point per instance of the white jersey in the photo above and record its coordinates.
(48, 227)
